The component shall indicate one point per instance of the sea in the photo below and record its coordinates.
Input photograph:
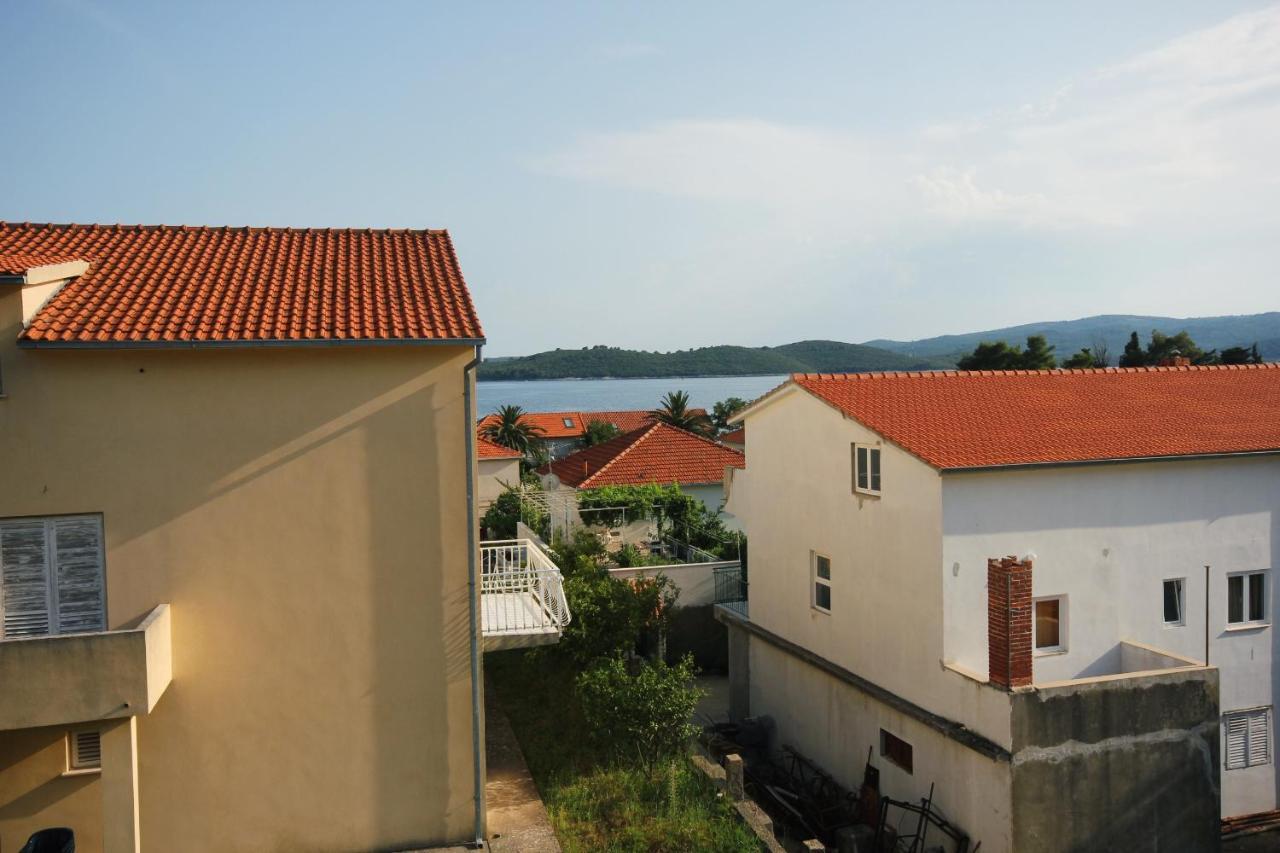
(569, 395)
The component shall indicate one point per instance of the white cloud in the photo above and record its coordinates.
(1157, 139)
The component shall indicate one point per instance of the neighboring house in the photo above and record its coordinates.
(239, 571)
(564, 432)
(497, 468)
(997, 580)
(657, 453)
(737, 439)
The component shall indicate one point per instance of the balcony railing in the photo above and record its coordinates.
(731, 589)
(522, 599)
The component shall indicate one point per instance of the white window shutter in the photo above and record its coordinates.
(1237, 741)
(1259, 737)
(78, 565)
(24, 578)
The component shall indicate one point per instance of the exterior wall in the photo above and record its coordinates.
(302, 511)
(712, 497)
(1106, 536)
(1118, 766)
(835, 725)
(494, 475)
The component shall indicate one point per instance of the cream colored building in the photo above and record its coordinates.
(240, 588)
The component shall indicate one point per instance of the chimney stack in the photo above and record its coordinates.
(1009, 622)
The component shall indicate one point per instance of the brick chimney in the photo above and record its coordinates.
(1009, 622)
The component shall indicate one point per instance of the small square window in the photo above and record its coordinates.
(896, 750)
(820, 569)
(866, 469)
(1248, 738)
(1174, 601)
(1049, 626)
(568, 423)
(84, 750)
(1247, 598)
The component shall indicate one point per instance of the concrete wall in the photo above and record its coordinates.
(1107, 536)
(493, 478)
(694, 629)
(303, 512)
(1118, 765)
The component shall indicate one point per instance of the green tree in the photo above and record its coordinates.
(643, 717)
(598, 432)
(1164, 347)
(1134, 355)
(1241, 355)
(674, 409)
(725, 409)
(611, 616)
(510, 429)
(1084, 358)
(998, 355)
(508, 508)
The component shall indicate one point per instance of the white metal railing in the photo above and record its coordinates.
(521, 589)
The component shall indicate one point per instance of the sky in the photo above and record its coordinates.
(662, 176)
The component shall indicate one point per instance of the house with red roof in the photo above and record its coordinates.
(564, 432)
(655, 453)
(497, 468)
(1042, 599)
(242, 596)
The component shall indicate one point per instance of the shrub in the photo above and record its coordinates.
(642, 717)
(501, 517)
(611, 616)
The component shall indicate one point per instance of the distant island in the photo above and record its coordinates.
(1068, 336)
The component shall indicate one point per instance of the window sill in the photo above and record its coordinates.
(1247, 626)
(87, 771)
(816, 609)
(1048, 653)
(1175, 624)
(859, 493)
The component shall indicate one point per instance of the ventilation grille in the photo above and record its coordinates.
(86, 750)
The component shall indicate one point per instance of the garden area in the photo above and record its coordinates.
(605, 723)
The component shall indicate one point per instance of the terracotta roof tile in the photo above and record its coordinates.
(17, 263)
(553, 424)
(158, 284)
(955, 419)
(657, 453)
(486, 449)
(737, 436)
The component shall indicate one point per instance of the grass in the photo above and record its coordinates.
(594, 806)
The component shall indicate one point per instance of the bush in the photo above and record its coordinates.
(501, 517)
(611, 616)
(643, 717)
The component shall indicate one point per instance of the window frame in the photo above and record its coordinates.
(1247, 600)
(1181, 587)
(903, 744)
(1062, 646)
(76, 765)
(1248, 714)
(815, 581)
(875, 471)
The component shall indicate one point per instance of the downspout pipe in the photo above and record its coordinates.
(473, 599)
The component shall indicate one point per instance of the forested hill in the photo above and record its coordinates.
(602, 362)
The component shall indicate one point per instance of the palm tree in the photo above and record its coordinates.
(676, 412)
(510, 429)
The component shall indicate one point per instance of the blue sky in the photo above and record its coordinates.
(662, 176)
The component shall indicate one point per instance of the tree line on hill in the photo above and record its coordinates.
(1160, 349)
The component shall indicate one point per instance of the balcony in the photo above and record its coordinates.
(731, 589)
(72, 678)
(521, 595)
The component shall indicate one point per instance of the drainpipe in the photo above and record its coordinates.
(473, 600)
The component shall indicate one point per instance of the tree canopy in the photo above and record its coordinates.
(999, 355)
(725, 409)
(510, 429)
(674, 409)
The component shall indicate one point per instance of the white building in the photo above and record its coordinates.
(1081, 710)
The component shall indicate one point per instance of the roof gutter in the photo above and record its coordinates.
(473, 600)
(27, 343)
(1131, 460)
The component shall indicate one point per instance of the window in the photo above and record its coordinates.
(84, 751)
(51, 576)
(1049, 627)
(821, 571)
(1173, 601)
(866, 469)
(1247, 598)
(896, 750)
(568, 423)
(1248, 735)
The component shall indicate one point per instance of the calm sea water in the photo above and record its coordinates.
(553, 395)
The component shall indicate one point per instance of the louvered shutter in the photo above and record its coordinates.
(24, 578)
(1237, 741)
(78, 574)
(1259, 737)
(86, 750)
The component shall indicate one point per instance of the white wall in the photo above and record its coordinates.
(712, 497)
(1107, 536)
(695, 581)
(493, 477)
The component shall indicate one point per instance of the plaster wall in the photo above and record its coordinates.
(493, 477)
(303, 511)
(1107, 536)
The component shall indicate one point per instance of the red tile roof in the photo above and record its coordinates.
(486, 449)
(168, 284)
(12, 263)
(737, 436)
(657, 453)
(553, 423)
(955, 419)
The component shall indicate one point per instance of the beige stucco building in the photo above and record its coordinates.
(237, 540)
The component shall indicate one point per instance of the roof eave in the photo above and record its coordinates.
(1122, 460)
(30, 343)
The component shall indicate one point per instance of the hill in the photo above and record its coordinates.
(1070, 335)
(602, 362)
